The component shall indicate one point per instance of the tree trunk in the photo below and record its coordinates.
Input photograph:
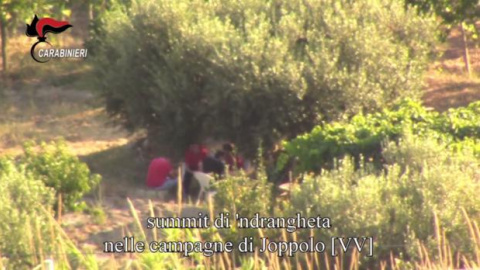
(3, 29)
(90, 11)
(466, 57)
(61, 17)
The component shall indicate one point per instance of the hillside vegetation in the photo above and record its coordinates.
(372, 121)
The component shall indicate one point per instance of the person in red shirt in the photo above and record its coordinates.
(194, 157)
(161, 174)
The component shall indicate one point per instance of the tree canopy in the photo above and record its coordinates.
(452, 12)
(252, 71)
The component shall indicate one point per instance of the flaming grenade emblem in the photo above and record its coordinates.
(40, 27)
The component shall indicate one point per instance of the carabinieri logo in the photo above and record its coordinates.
(39, 28)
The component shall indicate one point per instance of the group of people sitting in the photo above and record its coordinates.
(163, 176)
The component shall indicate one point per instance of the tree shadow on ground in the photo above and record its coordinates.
(121, 168)
(452, 95)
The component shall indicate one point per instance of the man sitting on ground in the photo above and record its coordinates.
(215, 164)
(161, 175)
(232, 159)
(194, 157)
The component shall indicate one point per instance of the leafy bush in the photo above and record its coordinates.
(57, 168)
(242, 195)
(461, 122)
(245, 197)
(28, 231)
(271, 69)
(398, 207)
(363, 135)
(23, 223)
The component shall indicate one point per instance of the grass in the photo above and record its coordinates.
(68, 256)
(43, 102)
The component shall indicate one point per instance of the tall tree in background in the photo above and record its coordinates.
(453, 12)
(12, 13)
(3, 29)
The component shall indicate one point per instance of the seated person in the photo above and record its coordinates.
(194, 157)
(161, 174)
(233, 160)
(214, 164)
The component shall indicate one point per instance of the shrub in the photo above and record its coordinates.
(271, 69)
(24, 224)
(242, 195)
(398, 207)
(245, 197)
(28, 231)
(363, 135)
(461, 122)
(58, 168)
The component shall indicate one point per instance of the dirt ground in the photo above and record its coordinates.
(62, 106)
(447, 82)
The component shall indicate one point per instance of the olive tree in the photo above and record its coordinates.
(252, 71)
(453, 13)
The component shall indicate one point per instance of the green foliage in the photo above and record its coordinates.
(270, 69)
(14, 13)
(23, 225)
(461, 122)
(28, 231)
(452, 12)
(363, 135)
(242, 195)
(397, 207)
(245, 197)
(98, 214)
(58, 168)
